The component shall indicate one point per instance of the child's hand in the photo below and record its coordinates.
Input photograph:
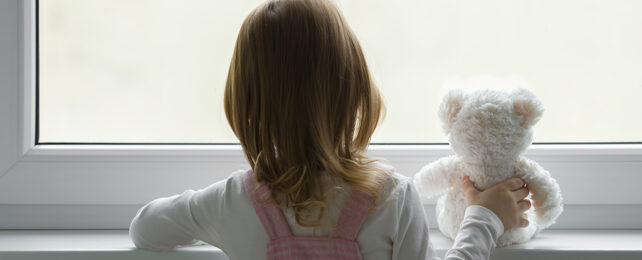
(506, 200)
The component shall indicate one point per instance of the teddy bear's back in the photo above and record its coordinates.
(485, 176)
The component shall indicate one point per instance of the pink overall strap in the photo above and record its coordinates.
(270, 215)
(354, 212)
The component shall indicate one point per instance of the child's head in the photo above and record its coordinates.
(300, 99)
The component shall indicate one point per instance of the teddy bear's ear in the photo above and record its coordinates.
(450, 107)
(527, 107)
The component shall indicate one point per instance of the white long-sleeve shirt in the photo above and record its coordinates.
(222, 215)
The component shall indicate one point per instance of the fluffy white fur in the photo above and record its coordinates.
(489, 130)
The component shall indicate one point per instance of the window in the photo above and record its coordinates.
(136, 71)
(67, 185)
(154, 72)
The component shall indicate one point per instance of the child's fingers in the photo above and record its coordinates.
(523, 222)
(524, 205)
(513, 183)
(520, 194)
(468, 186)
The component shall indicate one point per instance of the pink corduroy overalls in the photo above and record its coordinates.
(341, 244)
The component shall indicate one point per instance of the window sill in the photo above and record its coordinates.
(115, 244)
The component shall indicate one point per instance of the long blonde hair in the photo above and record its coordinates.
(301, 100)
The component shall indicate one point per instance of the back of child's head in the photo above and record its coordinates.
(300, 99)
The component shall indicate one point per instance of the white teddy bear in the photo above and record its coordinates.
(489, 130)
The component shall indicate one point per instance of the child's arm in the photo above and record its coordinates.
(411, 238)
(436, 177)
(546, 195)
(168, 222)
(477, 234)
(476, 238)
(164, 223)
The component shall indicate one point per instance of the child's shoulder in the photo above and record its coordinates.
(238, 175)
(230, 187)
(237, 179)
(396, 185)
(392, 176)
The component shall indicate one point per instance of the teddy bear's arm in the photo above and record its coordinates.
(436, 177)
(545, 192)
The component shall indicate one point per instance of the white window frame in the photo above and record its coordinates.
(102, 186)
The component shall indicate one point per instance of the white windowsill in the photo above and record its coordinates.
(115, 244)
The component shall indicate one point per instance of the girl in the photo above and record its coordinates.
(300, 99)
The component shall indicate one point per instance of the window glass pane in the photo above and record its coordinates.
(154, 71)
(136, 70)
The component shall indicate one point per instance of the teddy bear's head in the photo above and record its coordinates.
(488, 126)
